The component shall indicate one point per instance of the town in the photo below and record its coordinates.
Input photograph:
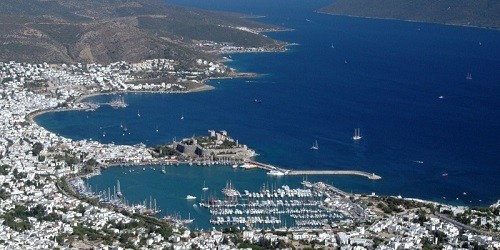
(40, 209)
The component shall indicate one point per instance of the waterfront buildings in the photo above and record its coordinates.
(38, 212)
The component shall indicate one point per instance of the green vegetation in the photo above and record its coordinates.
(17, 218)
(483, 13)
(4, 169)
(164, 150)
(4, 194)
(68, 158)
(391, 205)
(72, 31)
(89, 166)
(227, 145)
(37, 148)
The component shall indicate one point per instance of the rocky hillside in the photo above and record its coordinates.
(105, 31)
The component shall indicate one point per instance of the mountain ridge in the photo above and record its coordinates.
(92, 31)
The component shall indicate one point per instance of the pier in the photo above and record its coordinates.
(371, 176)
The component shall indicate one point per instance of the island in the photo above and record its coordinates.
(478, 13)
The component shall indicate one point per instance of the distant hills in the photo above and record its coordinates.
(481, 13)
(104, 31)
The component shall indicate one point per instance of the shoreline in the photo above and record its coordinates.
(410, 21)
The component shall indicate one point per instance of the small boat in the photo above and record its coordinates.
(357, 135)
(441, 97)
(469, 76)
(103, 134)
(138, 114)
(257, 101)
(156, 129)
(315, 145)
(163, 170)
(235, 165)
(190, 197)
(182, 116)
(333, 47)
(445, 174)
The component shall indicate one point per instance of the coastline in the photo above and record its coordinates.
(409, 20)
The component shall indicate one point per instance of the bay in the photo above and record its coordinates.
(383, 76)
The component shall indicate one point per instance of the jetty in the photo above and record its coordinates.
(371, 176)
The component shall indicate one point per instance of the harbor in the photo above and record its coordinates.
(223, 196)
(307, 208)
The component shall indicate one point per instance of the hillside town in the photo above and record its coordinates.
(40, 210)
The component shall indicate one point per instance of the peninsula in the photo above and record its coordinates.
(94, 31)
(478, 13)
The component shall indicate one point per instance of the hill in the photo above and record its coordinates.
(481, 13)
(104, 31)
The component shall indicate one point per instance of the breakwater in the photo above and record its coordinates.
(281, 171)
(371, 176)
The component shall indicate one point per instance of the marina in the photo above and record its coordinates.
(222, 196)
(271, 207)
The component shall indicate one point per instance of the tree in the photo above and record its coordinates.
(4, 194)
(4, 169)
(37, 148)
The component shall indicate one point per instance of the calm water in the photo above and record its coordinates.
(384, 77)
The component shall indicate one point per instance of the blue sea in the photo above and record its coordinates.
(382, 76)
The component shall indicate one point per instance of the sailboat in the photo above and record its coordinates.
(357, 135)
(315, 145)
(333, 47)
(138, 114)
(156, 129)
(163, 169)
(469, 76)
(182, 116)
(205, 188)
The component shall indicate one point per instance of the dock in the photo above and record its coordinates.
(371, 176)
